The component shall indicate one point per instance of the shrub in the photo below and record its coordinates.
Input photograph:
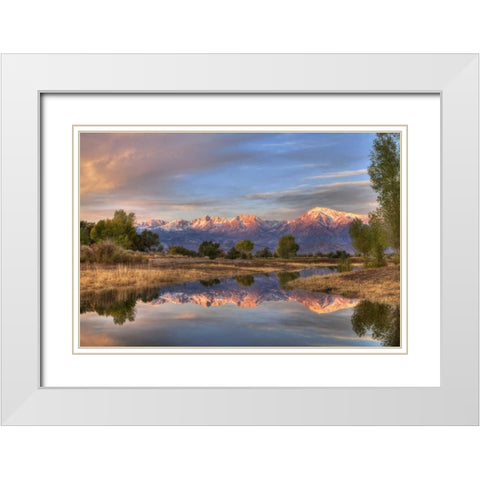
(107, 251)
(232, 254)
(209, 249)
(264, 253)
(179, 250)
(86, 254)
(104, 251)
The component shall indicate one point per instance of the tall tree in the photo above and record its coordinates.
(384, 171)
(287, 247)
(244, 247)
(360, 235)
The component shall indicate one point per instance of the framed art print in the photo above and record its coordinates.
(223, 248)
(216, 272)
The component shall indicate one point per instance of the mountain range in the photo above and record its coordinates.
(317, 230)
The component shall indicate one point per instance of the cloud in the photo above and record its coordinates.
(357, 197)
(164, 174)
(345, 173)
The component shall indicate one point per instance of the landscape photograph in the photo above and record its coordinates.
(238, 239)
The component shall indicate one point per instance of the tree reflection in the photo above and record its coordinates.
(118, 304)
(381, 319)
(285, 277)
(210, 283)
(245, 280)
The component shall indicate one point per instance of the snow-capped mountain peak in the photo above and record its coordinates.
(318, 229)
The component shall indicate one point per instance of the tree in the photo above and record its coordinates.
(244, 247)
(378, 239)
(98, 232)
(146, 241)
(119, 229)
(287, 247)
(360, 235)
(384, 172)
(264, 253)
(85, 229)
(232, 254)
(209, 249)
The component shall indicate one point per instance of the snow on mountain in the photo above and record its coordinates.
(266, 289)
(318, 229)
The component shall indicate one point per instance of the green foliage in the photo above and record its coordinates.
(118, 229)
(287, 247)
(209, 249)
(264, 253)
(147, 241)
(285, 277)
(384, 172)
(117, 303)
(179, 250)
(360, 235)
(382, 319)
(245, 248)
(378, 240)
(85, 229)
(338, 254)
(232, 254)
(245, 280)
(371, 240)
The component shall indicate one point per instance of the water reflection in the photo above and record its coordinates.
(380, 320)
(118, 303)
(245, 280)
(285, 277)
(210, 283)
(218, 313)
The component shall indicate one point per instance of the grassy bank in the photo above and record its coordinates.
(373, 284)
(165, 270)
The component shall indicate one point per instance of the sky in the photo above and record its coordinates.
(277, 176)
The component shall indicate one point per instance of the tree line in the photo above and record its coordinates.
(287, 247)
(120, 232)
(383, 229)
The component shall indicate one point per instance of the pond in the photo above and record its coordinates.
(245, 311)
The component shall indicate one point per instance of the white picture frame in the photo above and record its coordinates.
(26, 77)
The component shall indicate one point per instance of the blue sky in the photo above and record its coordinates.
(188, 175)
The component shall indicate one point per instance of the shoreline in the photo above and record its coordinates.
(373, 284)
(170, 270)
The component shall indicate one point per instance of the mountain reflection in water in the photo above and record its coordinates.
(219, 313)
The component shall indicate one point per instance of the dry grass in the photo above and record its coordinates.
(373, 284)
(169, 270)
(100, 277)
